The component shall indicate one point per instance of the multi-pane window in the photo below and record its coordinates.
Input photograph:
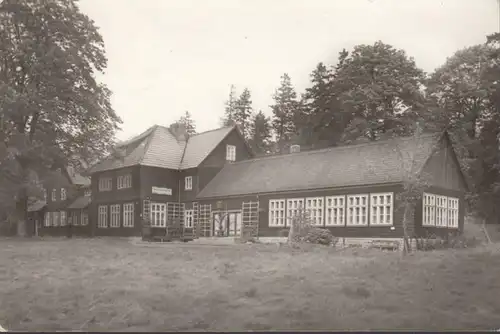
(441, 211)
(124, 181)
(158, 214)
(55, 218)
(73, 219)
(62, 214)
(335, 211)
(230, 153)
(63, 194)
(88, 192)
(428, 210)
(188, 183)
(314, 209)
(44, 194)
(452, 212)
(105, 184)
(128, 215)
(84, 218)
(47, 219)
(115, 215)
(381, 208)
(357, 210)
(277, 213)
(102, 219)
(54, 195)
(294, 206)
(188, 218)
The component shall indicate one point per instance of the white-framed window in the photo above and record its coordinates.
(277, 213)
(54, 195)
(114, 215)
(335, 211)
(87, 192)
(44, 194)
(357, 210)
(73, 218)
(441, 211)
(188, 183)
(47, 219)
(428, 210)
(452, 212)
(381, 209)
(230, 153)
(62, 214)
(293, 206)
(63, 194)
(158, 214)
(314, 208)
(124, 181)
(102, 219)
(128, 215)
(84, 218)
(55, 218)
(105, 184)
(189, 218)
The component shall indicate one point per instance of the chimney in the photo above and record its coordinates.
(179, 131)
(295, 149)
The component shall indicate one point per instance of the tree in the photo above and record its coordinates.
(188, 122)
(53, 112)
(243, 112)
(285, 110)
(230, 108)
(260, 133)
(378, 86)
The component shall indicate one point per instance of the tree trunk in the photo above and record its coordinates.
(406, 241)
(21, 214)
(292, 231)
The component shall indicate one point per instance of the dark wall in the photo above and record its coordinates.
(119, 231)
(189, 195)
(159, 177)
(116, 194)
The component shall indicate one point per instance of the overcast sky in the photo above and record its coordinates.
(168, 56)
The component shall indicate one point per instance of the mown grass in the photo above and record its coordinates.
(111, 285)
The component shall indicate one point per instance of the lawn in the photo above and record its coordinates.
(111, 285)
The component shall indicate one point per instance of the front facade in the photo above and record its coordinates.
(156, 176)
(353, 191)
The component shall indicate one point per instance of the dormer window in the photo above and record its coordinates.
(63, 194)
(188, 183)
(230, 153)
(54, 195)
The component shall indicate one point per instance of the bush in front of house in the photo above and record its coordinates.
(319, 236)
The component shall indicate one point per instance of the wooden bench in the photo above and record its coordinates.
(385, 244)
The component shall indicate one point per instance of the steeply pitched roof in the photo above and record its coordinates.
(363, 164)
(158, 147)
(80, 203)
(36, 205)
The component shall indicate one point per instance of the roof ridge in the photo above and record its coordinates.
(140, 136)
(212, 130)
(149, 138)
(343, 147)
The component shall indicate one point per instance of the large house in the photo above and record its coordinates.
(350, 190)
(158, 175)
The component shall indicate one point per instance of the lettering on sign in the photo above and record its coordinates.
(162, 191)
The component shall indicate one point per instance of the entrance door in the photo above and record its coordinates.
(234, 223)
(220, 224)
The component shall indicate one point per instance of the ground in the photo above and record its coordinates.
(112, 285)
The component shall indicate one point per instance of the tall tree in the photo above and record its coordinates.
(230, 108)
(188, 122)
(260, 133)
(378, 86)
(286, 109)
(53, 112)
(243, 112)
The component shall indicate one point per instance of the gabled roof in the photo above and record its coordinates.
(364, 164)
(158, 147)
(36, 205)
(80, 203)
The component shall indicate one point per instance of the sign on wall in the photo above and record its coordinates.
(162, 191)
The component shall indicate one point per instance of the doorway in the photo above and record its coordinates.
(227, 224)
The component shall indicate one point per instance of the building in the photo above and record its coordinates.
(350, 190)
(157, 175)
(49, 216)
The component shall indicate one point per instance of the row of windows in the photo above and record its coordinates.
(439, 211)
(351, 210)
(122, 182)
(59, 218)
(118, 215)
(64, 195)
(158, 216)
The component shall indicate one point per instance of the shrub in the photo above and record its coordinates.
(319, 236)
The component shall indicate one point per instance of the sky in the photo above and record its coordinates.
(166, 57)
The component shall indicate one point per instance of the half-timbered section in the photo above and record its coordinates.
(155, 178)
(354, 191)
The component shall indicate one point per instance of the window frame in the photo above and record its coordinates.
(161, 214)
(53, 195)
(105, 184)
(114, 215)
(366, 206)
(100, 215)
(128, 214)
(124, 181)
(46, 219)
(292, 209)
(453, 212)
(272, 219)
(84, 218)
(335, 213)
(441, 211)
(188, 183)
(375, 207)
(316, 219)
(62, 218)
(428, 210)
(189, 217)
(63, 194)
(230, 153)
(55, 218)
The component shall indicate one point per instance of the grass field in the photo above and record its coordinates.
(110, 285)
